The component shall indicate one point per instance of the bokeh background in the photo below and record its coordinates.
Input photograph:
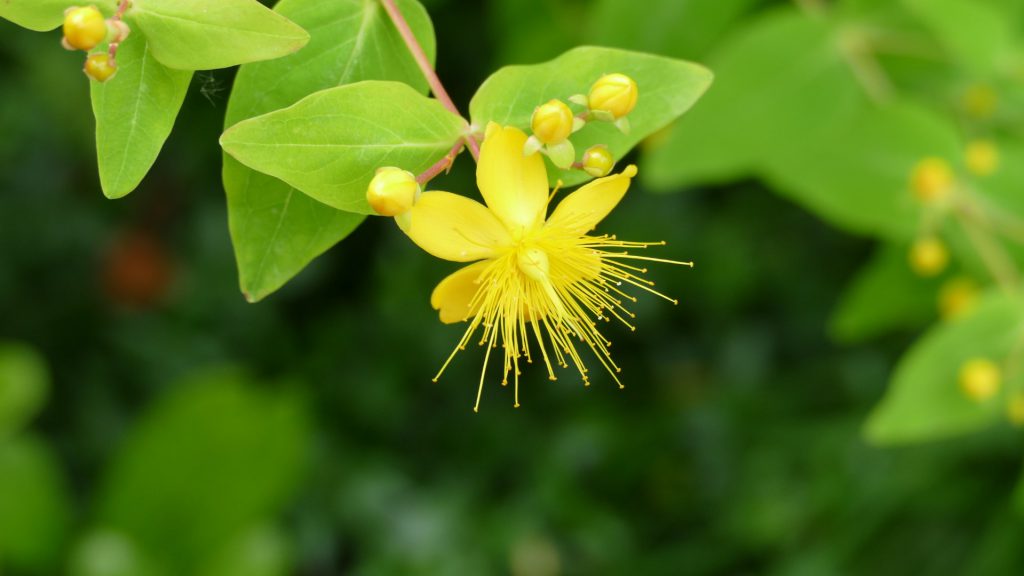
(154, 423)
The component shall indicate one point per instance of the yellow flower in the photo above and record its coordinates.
(535, 276)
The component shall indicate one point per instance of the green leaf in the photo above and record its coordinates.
(276, 230)
(43, 15)
(24, 386)
(924, 400)
(329, 144)
(885, 295)
(35, 503)
(976, 34)
(668, 88)
(135, 112)
(110, 553)
(861, 180)
(204, 35)
(780, 81)
(215, 457)
(259, 551)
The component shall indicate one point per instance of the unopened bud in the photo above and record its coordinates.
(392, 191)
(957, 297)
(598, 161)
(100, 67)
(932, 180)
(982, 157)
(84, 28)
(552, 122)
(614, 94)
(980, 379)
(928, 257)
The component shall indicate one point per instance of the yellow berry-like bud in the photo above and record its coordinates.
(932, 180)
(980, 379)
(84, 28)
(1015, 409)
(980, 101)
(928, 257)
(615, 94)
(598, 161)
(982, 157)
(392, 191)
(957, 297)
(100, 67)
(552, 122)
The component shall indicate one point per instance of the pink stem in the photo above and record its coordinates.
(428, 71)
(117, 17)
(442, 165)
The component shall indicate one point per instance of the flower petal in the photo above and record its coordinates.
(454, 227)
(580, 211)
(514, 186)
(454, 294)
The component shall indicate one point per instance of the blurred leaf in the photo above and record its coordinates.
(885, 295)
(781, 81)
(108, 553)
(330, 144)
(976, 34)
(34, 507)
(43, 15)
(303, 228)
(924, 400)
(655, 26)
(135, 112)
(260, 551)
(860, 181)
(202, 35)
(24, 386)
(211, 459)
(668, 88)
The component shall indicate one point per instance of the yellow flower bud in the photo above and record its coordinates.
(615, 94)
(957, 297)
(100, 67)
(932, 180)
(1015, 409)
(552, 122)
(980, 379)
(598, 161)
(84, 28)
(928, 257)
(392, 191)
(982, 157)
(980, 101)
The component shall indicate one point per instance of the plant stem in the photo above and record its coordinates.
(442, 165)
(428, 71)
(998, 262)
(117, 19)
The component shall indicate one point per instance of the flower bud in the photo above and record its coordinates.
(597, 161)
(552, 122)
(932, 180)
(392, 191)
(980, 379)
(957, 297)
(928, 257)
(614, 94)
(84, 28)
(982, 157)
(100, 67)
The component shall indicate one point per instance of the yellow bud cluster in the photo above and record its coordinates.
(980, 379)
(598, 161)
(614, 94)
(84, 28)
(932, 180)
(982, 157)
(552, 122)
(928, 257)
(957, 297)
(100, 67)
(392, 191)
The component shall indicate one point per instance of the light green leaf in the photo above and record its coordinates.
(43, 15)
(861, 180)
(668, 88)
(258, 551)
(276, 230)
(780, 81)
(924, 400)
(329, 144)
(24, 386)
(35, 504)
(110, 553)
(885, 295)
(976, 34)
(204, 35)
(215, 457)
(135, 112)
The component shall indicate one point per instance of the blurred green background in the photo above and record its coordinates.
(153, 423)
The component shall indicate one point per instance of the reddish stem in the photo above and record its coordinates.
(442, 165)
(428, 71)
(117, 17)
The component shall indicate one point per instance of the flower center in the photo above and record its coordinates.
(534, 263)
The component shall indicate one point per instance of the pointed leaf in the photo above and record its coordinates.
(43, 15)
